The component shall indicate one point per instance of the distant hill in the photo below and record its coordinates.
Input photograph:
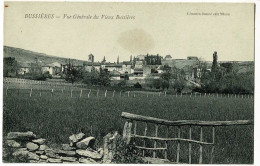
(25, 56)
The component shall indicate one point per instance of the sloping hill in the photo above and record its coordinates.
(26, 56)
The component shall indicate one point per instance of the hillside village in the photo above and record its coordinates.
(137, 69)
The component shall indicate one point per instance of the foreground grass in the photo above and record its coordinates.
(57, 117)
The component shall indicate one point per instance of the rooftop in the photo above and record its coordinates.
(168, 56)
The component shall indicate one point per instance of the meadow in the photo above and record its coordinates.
(56, 117)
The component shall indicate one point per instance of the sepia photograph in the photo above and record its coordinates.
(128, 83)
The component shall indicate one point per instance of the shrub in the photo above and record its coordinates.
(179, 85)
(127, 153)
(122, 84)
(230, 83)
(157, 83)
(47, 74)
(101, 78)
(138, 85)
(165, 84)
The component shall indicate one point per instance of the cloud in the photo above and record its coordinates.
(136, 41)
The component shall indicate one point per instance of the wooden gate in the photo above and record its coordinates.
(130, 131)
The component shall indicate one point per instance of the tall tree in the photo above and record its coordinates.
(73, 73)
(104, 60)
(104, 77)
(35, 68)
(214, 67)
(131, 58)
(11, 67)
(118, 60)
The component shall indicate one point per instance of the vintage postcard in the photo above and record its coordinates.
(128, 82)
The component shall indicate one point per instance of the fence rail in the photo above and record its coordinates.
(184, 122)
(79, 91)
(130, 132)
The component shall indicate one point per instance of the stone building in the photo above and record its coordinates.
(89, 66)
(53, 68)
(192, 58)
(113, 67)
(127, 67)
(153, 59)
(168, 58)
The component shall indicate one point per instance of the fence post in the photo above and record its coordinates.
(166, 144)
(178, 145)
(89, 93)
(190, 146)
(120, 93)
(128, 93)
(51, 92)
(201, 139)
(127, 131)
(190, 94)
(155, 141)
(135, 127)
(165, 93)
(114, 93)
(134, 94)
(212, 148)
(62, 91)
(31, 93)
(205, 94)
(71, 93)
(145, 131)
(159, 93)
(6, 92)
(106, 93)
(80, 93)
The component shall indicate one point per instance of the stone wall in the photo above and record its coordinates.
(80, 149)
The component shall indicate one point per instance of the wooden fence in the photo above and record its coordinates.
(26, 82)
(130, 131)
(32, 85)
(78, 90)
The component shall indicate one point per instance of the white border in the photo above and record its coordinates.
(257, 60)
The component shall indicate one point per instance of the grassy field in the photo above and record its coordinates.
(57, 117)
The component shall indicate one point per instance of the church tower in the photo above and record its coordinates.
(91, 58)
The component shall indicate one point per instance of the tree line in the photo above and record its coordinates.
(222, 78)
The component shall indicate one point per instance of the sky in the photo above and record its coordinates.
(178, 29)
